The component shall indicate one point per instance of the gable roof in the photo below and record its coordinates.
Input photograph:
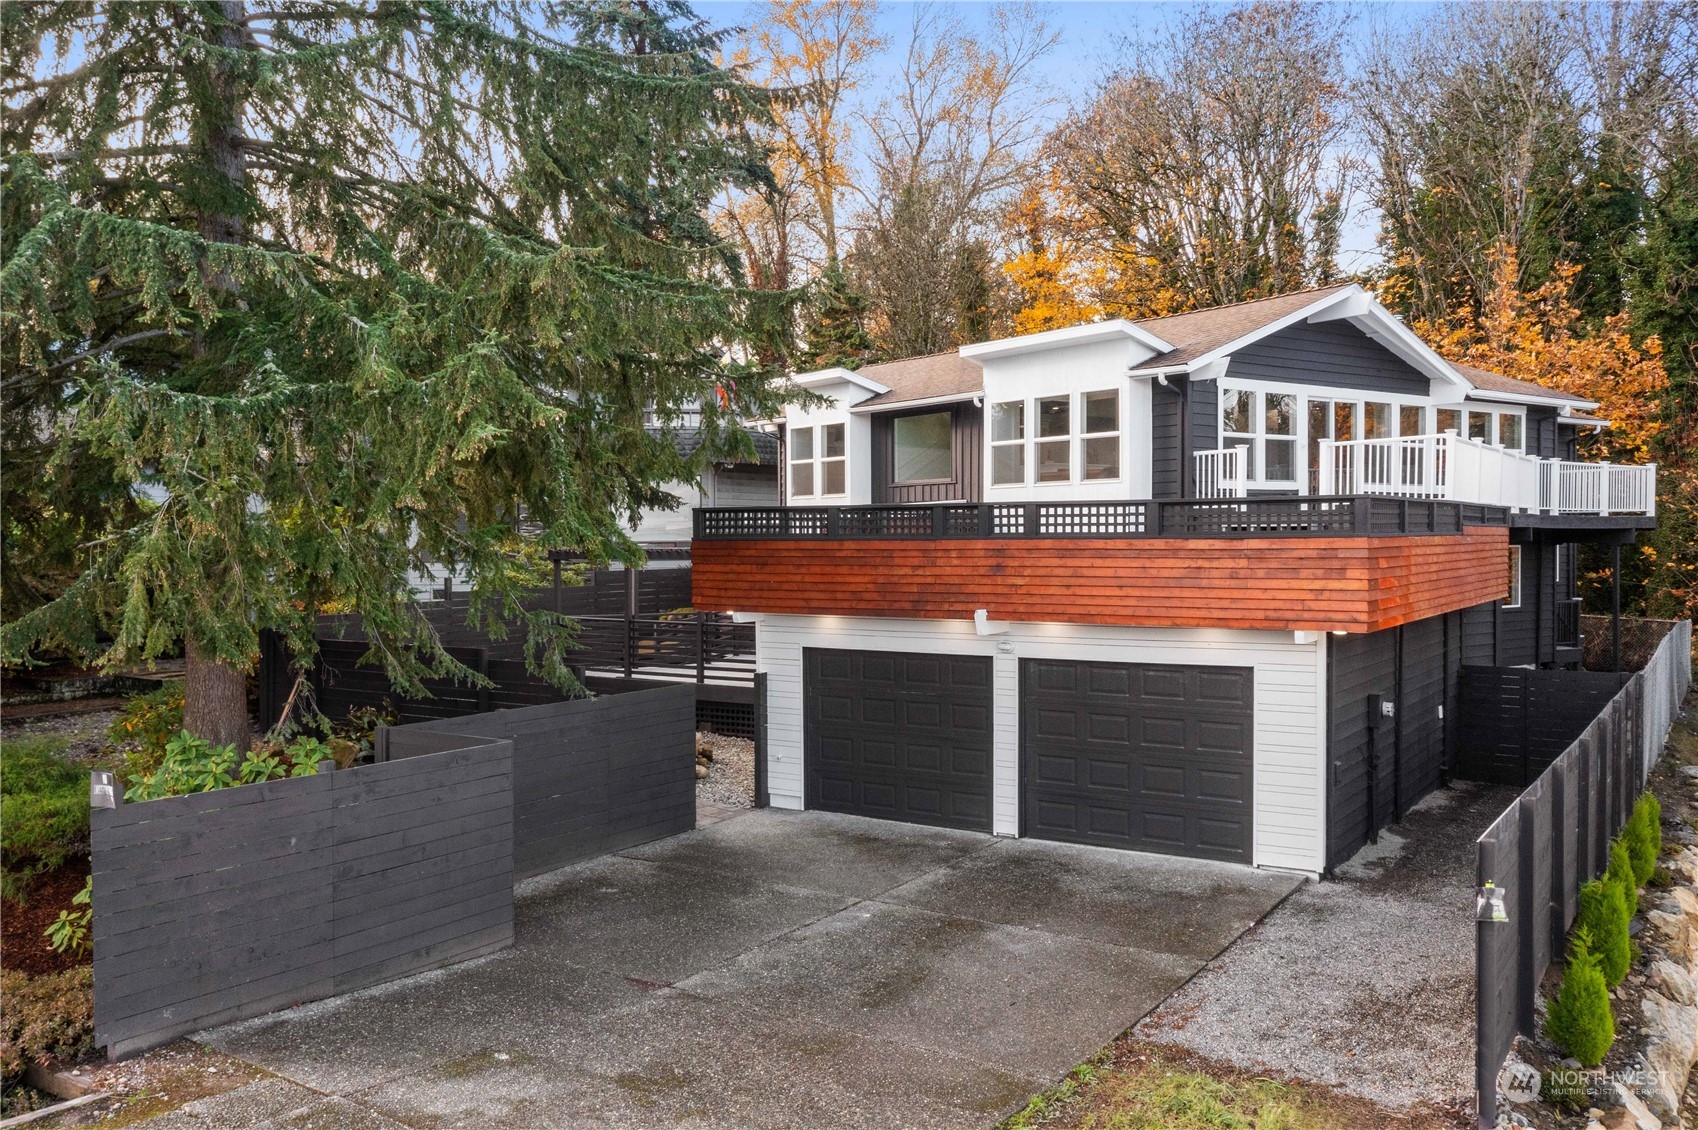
(934, 377)
(1194, 335)
(1198, 333)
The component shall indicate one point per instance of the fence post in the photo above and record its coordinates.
(483, 669)
(1559, 854)
(701, 647)
(630, 623)
(1485, 974)
(761, 797)
(1526, 922)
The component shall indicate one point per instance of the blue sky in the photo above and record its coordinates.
(1093, 33)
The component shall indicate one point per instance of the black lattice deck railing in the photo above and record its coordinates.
(1353, 516)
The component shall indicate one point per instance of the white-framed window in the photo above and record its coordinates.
(923, 448)
(1266, 424)
(1504, 429)
(1411, 420)
(1376, 420)
(1101, 431)
(1065, 438)
(818, 462)
(1480, 426)
(1008, 443)
(1053, 458)
(1513, 600)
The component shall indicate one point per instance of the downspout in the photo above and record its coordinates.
(1185, 474)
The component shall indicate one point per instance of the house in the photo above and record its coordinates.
(665, 534)
(1201, 585)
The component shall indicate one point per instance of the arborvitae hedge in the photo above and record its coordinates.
(1579, 1020)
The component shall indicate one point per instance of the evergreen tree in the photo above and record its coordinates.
(338, 289)
(837, 333)
(1579, 1020)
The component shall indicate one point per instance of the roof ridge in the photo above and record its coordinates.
(1243, 302)
(956, 352)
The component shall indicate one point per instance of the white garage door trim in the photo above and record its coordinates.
(1290, 716)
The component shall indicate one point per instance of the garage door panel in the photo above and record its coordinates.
(1161, 732)
(1104, 727)
(1218, 785)
(1142, 756)
(917, 742)
(1225, 737)
(872, 710)
(1113, 776)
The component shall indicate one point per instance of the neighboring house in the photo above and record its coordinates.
(666, 533)
(1200, 584)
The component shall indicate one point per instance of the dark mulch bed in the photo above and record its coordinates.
(23, 943)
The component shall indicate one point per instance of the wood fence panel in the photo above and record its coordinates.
(229, 904)
(589, 775)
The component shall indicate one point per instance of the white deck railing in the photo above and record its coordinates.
(1465, 470)
(1223, 474)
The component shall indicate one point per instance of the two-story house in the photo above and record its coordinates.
(1201, 584)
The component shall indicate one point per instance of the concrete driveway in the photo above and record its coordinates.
(772, 970)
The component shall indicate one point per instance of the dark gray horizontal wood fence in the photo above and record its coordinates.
(589, 776)
(1515, 721)
(1553, 839)
(229, 904)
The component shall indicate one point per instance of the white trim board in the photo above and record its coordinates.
(1289, 700)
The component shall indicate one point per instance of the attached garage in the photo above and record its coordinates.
(899, 736)
(1152, 757)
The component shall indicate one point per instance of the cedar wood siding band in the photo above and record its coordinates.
(1356, 584)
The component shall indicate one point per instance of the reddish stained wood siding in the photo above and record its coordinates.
(1357, 584)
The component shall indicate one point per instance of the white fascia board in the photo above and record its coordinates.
(822, 377)
(1072, 335)
(1486, 394)
(1318, 306)
(864, 409)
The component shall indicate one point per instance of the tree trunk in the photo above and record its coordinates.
(215, 700)
(215, 694)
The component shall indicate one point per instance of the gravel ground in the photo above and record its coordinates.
(731, 778)
(86, 732)
(1364, 982)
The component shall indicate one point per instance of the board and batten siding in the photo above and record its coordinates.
(1289, 703)
(967, 455)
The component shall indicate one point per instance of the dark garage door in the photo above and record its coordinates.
(899, 737)
(1133, 755)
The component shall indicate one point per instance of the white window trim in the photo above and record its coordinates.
(1495, 411)
(1513, 600)
(817, 461)
(1020, 443)
(1075, 439)
(1084, 437)
(1335, 395)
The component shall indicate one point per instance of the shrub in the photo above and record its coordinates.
(70, 930)
(1579, 1019)
(45, 1016)
(1644, 838)
(190, 765)
(149, 721)
(1603, 919)
(43, 811)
